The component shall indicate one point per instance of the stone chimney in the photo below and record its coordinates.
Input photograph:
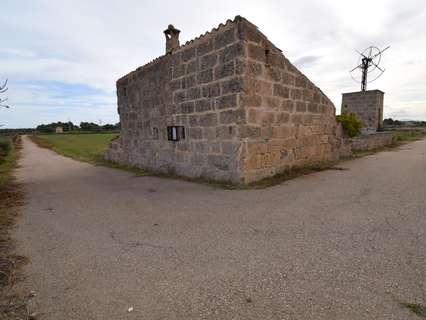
(172, 38)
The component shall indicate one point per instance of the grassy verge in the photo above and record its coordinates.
(12, 304)
(83, 147)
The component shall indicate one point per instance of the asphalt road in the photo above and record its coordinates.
(346, 244)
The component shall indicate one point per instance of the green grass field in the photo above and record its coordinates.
(85, 147)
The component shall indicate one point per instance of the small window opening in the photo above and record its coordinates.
(155, 133)
(124, 91)
(175, 133)
(267, 56)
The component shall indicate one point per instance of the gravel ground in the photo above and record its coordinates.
(331, 245)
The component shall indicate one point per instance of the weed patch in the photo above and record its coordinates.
(416, 308)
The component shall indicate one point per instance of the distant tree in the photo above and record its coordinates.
(388, 122)
(51, 127)
(397, 123)
(89, 126)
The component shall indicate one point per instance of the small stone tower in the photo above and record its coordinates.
(172, 38)
(368, 106)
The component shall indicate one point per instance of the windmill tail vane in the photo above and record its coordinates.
(369, 62)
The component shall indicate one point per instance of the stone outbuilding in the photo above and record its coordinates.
(227, 105)
(368, 106)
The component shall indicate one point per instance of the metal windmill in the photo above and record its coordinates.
(368, 64)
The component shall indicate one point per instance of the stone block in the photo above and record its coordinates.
(224, 70)
(224, 38)
(247, 101)
(268, 118)
(226, 102)
(313, 107)
(208, 120)
(230, 147)
(188, 82)
(272, 103)
(258, 87)
(232, 52)
(179, 71)
(192, 67)
(232, 86)
(226, 132)
(211, 90)
(198, 159)
(301, 81)
(205, 47)
(282, 117)
(208, 61)
(256, 52)
(195, 133)
(179, 96)
(273, 74)
(232, 116)
(300, 106)
(203, 105)
(194, 93)
(193, 121)
(186, 107)
(175, 84)
(218, 161)
(188, 54)
(287, 105)
(205, 76)
(288, 79)
(249, 131)
(209, 133)
(281, 91)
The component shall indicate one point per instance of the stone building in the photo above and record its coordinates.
(368, 106)
(227, 105)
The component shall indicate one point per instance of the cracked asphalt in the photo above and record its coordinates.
(338, 244)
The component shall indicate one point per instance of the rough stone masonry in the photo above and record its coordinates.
(368, 106)
(227, 105)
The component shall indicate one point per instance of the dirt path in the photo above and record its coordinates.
(331, 245)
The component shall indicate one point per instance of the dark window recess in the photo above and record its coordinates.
(155, 133)
(124, 91)
(175, 133)
(267, 57)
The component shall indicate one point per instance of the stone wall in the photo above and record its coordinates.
(290, 122)
(367, 105)
(196, 86)
(371, 141)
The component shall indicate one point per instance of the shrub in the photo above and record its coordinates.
(351, 124)
(5, 147)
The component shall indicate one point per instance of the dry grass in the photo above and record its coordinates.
(13, 305)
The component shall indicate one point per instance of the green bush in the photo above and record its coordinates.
(5, 147)
(351, 124)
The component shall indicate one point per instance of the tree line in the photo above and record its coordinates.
(84, 126)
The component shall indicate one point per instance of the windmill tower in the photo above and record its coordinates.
(366, 104)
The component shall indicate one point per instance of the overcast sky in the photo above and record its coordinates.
(62, 57)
